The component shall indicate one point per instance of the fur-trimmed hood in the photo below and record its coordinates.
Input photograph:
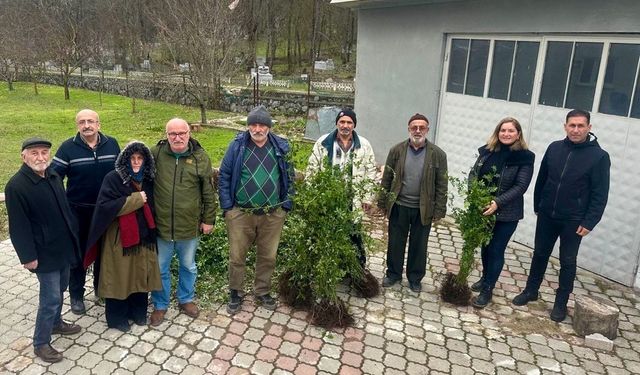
(125, 155)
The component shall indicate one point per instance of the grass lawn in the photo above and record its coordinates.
(24, 114)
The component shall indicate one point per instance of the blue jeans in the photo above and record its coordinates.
(52, 286)
(187, 271)
(493, 253)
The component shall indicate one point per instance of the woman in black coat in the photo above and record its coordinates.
(506, 163)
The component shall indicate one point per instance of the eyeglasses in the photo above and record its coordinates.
(418, 129)
(178, 134)
(86, 122)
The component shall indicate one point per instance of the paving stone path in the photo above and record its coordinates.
(398, 332)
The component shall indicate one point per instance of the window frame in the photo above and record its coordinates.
(543, 40)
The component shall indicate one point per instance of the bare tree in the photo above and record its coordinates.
(66, 27)
(202, 35)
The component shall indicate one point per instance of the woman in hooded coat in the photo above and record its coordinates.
(123, 229)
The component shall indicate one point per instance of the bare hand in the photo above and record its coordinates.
(582, 231)
(206, 228)
(490, 209)
(144, 196)
(31, 265)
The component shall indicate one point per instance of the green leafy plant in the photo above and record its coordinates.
(316, 246)
(476, 230)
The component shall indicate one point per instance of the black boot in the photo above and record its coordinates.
(478, 285)
(483, 298)
(525, 297)
(559, 312)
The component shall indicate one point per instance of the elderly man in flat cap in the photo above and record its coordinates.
(44, 234)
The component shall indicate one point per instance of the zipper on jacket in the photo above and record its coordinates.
(173, 200)
(95, 156)
(555, 201)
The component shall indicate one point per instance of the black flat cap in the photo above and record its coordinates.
(35, 141)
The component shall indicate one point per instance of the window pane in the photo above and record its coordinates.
(457, 65)
(501, 69)
(523, 72)
(556, 69)
(618, 81)
(477, 67)
(584, 74)
(635, 109)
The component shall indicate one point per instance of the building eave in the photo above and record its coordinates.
(370, 4)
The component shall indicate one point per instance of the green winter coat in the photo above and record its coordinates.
(183, 190)
(433, 186)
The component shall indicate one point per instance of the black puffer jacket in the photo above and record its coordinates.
(514, 179)
(573, 182)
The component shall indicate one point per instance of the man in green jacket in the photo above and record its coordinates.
(415, 182)
(185, 205)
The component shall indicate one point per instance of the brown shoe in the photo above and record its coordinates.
(157, 317)
(48, 354)
(190, 309)
(66, 329)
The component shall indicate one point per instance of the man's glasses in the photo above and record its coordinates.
(86, 122)
(177, 134)
(420, 129)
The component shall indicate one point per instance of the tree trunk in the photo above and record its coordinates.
(65, 81)
(289, 62)
(10, 82)
(203, 112)
(101, 84)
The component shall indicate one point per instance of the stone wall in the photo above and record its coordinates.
(241, 101)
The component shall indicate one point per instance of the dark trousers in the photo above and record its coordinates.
(357, 241)
(547, 232)
(78, 274)
(119, 311)
(405, 221)
(52, 287)
(492, 254)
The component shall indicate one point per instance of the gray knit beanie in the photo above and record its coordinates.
(259, 115)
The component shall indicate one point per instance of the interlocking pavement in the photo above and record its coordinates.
(398, 332)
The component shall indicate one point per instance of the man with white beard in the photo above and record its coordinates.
(43, 232)
(416, 174)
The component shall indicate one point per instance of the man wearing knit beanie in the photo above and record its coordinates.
(260, 115)
(255, 186)
(345, 148)
(415, 182)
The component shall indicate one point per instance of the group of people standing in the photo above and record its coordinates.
(129, 211)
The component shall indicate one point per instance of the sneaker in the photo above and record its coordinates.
(524, 298)
(66, 329)
(235, 302)
(415, 286)
(77, 306)
(477, 286)
(388, 281)
(266, 301)
(48, 354)
(157, 317)
(559, 313)
(483, 298)
(190, 309)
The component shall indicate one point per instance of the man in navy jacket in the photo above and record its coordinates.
(44, 234)
(84, 160)
(255, 188)
(569, 198)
